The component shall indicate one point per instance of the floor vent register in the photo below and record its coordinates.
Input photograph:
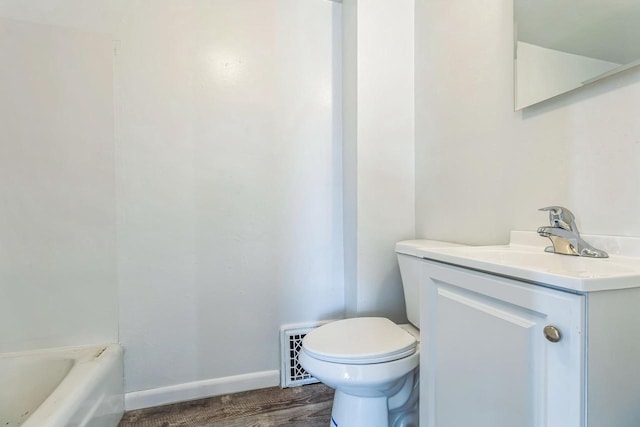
(292, 374)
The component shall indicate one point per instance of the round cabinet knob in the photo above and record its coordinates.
(552, 333)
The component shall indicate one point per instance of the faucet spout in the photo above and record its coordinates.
(563, 241)
(564, 235)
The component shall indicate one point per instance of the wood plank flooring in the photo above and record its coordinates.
(306, 406)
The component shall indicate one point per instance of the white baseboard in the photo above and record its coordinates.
(200, 389)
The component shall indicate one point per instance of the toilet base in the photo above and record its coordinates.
(398, 410)
(358, 411)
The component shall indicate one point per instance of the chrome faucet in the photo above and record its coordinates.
(564, 235)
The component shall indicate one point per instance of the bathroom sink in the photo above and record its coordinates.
(524, 258)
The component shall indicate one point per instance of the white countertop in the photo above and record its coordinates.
(524, 258)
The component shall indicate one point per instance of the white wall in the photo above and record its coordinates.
(543, 73)
(228, 161)
(379, 147)
(57, 188)
(228, 178)
(481, 169)
(228, 183)
(87, 15)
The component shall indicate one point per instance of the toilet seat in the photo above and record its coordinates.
(360, 341)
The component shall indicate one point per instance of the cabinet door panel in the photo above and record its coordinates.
(487, 361)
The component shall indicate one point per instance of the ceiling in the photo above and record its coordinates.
(604, 29)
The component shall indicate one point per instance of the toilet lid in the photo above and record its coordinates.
(359, 341)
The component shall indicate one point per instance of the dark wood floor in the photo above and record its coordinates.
(306, 406)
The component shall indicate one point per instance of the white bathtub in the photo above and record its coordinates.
(62, 387)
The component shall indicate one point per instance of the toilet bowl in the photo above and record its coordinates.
(371, 362)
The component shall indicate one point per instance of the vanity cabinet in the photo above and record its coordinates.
(488, 361)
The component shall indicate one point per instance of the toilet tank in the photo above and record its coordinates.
(410, 270)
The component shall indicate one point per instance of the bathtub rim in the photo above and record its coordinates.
(92, 364)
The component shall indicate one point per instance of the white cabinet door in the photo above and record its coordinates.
(485, 359)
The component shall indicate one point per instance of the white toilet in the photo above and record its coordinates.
(371, 362)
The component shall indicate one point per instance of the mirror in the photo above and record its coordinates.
(561, 45)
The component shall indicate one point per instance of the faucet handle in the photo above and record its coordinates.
(561, 217)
